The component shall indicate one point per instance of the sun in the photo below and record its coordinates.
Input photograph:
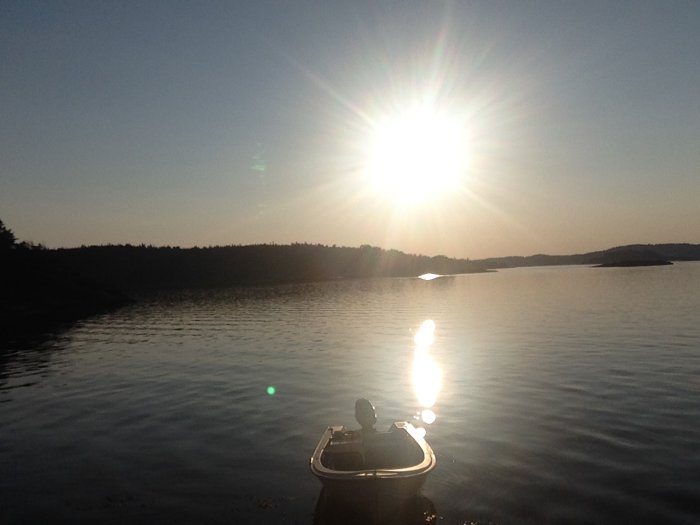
(417, 155)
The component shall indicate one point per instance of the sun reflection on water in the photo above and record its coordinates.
(427, 376)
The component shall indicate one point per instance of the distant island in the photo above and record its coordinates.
(626, 256)
(619, 255)
(42, 286)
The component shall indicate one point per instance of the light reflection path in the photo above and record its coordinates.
(427, 376)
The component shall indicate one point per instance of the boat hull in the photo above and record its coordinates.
(389, 468)
(375, 490)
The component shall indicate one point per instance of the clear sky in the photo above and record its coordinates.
(204, 123)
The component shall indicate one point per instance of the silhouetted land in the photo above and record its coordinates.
(630, 255)
(141, 267)
(38, 293)
(41, 286)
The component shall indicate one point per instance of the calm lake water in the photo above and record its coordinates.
(567, 395)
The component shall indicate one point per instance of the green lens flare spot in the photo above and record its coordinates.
(271, 390)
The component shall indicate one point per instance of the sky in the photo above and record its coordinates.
(217, 123)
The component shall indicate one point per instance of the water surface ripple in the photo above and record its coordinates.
(569, 395)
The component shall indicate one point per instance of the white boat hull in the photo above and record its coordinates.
(379, 469)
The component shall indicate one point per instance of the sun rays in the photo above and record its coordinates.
(416, 155)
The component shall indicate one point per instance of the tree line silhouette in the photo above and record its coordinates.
(143, 267)
(38, 291)
(39, 284)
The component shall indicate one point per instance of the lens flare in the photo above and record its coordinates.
(271, 390)
(428, 416)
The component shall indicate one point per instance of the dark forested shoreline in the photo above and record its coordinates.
(141, 267)
(41, 286)
(134, 268)
(39, 292)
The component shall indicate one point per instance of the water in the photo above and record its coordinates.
(568, 395)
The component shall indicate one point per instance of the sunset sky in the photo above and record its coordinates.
(542, 127)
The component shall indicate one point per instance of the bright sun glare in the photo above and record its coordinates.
(417, 155)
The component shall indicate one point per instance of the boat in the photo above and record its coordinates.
(372, 468)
